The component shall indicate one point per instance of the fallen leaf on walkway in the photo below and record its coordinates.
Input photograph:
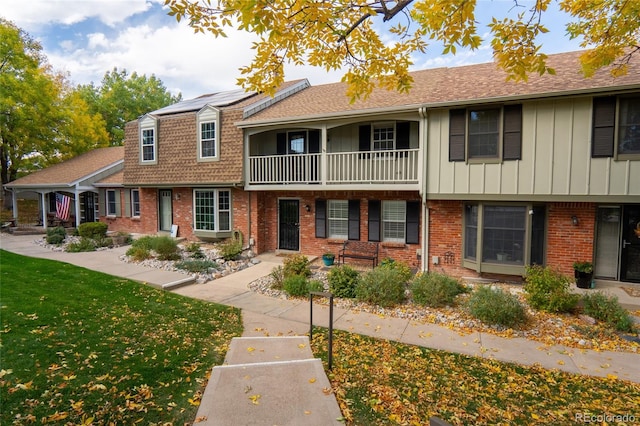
(302, 346)
(250, 349)
(254, 399)
(312, 380)
(200, 419)
(327, 391)
(307, 412)
(247, 389)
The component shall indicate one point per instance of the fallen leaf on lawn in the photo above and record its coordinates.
(194, 402)
(612, 376)
(25, 386)
(98, 386)
(4, 372)
(57, 416)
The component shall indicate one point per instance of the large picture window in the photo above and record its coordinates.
(212, 210)
(498, 238)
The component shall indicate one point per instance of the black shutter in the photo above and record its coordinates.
(604, 123)
(512, 133)
(413, 222)
(374, 220)
(354, 220)
(403, 129)
(321, 218)
(364, 143)
(314, 141)
(281, 144)
(457, 130)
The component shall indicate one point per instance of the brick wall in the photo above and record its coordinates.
(266, 232)
(567, 243)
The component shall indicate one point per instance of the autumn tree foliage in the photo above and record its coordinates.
(374, 40)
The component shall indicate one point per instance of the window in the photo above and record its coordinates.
(135, 203)
(616, 126)
(383, 137)
(207, 139)
(297, 143)
(338, 218)
(112, 203)
(629, 126)
(393, 221)
(485, 133)
(212, 210)
(148, 145)
(503, 238)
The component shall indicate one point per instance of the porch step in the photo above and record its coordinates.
(269, 381)
(27, 230)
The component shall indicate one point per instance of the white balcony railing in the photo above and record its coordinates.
(339, 168)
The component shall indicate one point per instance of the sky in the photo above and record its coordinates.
(87, 38)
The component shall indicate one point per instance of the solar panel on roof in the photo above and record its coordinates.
(215, 99)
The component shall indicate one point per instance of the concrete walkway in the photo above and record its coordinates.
(267, 316)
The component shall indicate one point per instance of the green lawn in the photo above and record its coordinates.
(379, 382)
(83, 347)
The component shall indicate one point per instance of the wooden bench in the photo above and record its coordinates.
(359, 250)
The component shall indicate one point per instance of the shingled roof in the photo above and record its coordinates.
(68, 173)
(448, 87)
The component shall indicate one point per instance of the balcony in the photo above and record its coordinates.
(336, 168)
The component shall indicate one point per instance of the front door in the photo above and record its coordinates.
(165, 212)
(289, 225)
(630, 251)
(89, 207)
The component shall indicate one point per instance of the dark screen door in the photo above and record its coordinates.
(289, 225)
(630, 254)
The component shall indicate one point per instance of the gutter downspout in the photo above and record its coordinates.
(422, 112)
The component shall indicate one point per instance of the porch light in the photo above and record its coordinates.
(574, 220)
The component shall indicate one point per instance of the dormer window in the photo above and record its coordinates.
(148, 140)
(208, 134)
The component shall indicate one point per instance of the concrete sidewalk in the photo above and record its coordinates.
(264, 315)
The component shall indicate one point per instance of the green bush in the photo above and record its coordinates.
(277, 277)
(382, 286)
(197, 265)
(138, 253)
(296, 264)
(85, 244)
(296, 285)
(548, 290)
(56, 235)
(402, 268)
(315, 285)
(342, 281)
(607, 309)
(166, 248)
(195, 250)
(230, 249)
(495, 306)
(145, 242)
(93, 230)
(435, 289)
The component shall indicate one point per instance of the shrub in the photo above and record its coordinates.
(197, 265)
(435, 290)
(56, 235)
(315, 285)
(230, 249)
(138, 253)
(85, 244)
(548, 290)
(343, 280)
(166, 248)
(404, 271)
(277, 277)
(195, 250)
(382, 286)
(296, 264)
(607, 309)
(495, 306)
(145, 242)
(93, 230)
(296, 285)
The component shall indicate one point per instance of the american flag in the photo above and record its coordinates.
(62, 206)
